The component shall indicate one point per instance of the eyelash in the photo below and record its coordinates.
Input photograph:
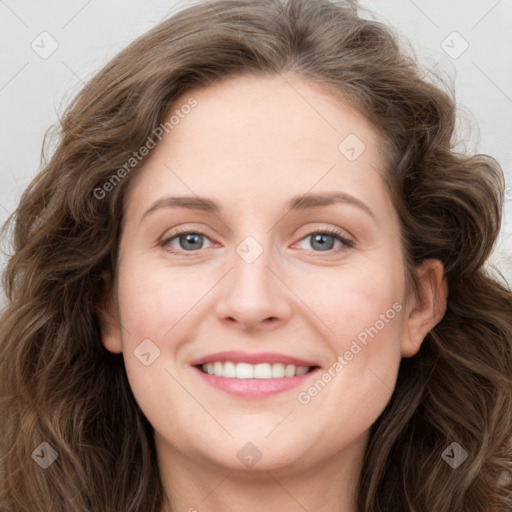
(349, 244)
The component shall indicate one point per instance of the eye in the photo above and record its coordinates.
(323, 240)
(184, 241)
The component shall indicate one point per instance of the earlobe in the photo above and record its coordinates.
(110, 333)
(111, 344)
(109, 325)
(426, 307)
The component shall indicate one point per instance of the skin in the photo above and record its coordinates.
(250, 144)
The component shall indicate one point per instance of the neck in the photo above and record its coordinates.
(202, 485)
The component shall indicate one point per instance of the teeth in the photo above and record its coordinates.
(253, 371)
(278, 371)
(262, 371)
(229, 370)
(244, 371)
(291, 370)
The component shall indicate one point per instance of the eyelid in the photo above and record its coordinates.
(347, 242)
(166, 238)
(325, 228)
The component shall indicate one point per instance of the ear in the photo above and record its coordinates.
(426, 305)
(109, 321)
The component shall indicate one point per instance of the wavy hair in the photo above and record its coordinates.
(61, 386)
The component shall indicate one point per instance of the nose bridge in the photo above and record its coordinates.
(251, 264)
(253, 294)
(252, 279)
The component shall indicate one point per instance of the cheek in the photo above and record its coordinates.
(367, 320)
(150, 307)
(153, 300)
(150, 311)
(364, 311)
(354, 302)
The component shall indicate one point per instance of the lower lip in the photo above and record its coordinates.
(254, 388)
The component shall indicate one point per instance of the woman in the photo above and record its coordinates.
(332, 343)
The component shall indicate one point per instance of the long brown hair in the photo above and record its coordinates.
(58, 383)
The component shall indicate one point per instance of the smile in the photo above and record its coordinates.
(233, 370)
(253, 375)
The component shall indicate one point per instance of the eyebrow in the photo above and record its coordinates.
(299, 202)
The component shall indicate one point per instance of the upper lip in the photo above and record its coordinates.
(251, 358)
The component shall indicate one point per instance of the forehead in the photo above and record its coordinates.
(272, 135)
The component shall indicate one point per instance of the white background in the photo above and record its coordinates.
(33, 90)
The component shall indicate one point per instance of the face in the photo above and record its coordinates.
(223, 303)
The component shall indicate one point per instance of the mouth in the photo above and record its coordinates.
(253, 375)
(233, 370)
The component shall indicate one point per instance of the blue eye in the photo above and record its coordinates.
(324, 240)
(188, 241)
(192, 241)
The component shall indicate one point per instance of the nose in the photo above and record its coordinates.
(253, 294)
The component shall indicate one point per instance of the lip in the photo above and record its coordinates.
(236, 356)
(254, 388)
